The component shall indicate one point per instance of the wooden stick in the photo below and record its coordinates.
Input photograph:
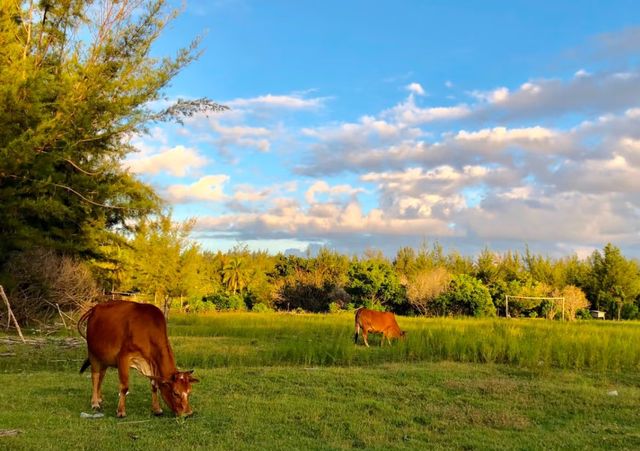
(11, 315)
(61, 317)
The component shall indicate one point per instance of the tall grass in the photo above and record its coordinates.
(246, 339)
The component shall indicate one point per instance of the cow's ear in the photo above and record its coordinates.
(159, 381)
(191, 378)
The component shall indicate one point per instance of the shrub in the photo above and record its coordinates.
(199, 305)
(226, 301)
(630, 311)
(43, 283)
(260, 307)
(425, 286)
(583, 313)
(574, 300)
(466, 296)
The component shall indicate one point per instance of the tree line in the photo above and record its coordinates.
(160, 264)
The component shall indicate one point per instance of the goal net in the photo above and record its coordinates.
(526, 305)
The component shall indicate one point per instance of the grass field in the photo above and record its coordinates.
(278, 381)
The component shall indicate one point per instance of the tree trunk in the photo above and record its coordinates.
(167, 304)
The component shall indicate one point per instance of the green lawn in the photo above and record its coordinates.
(267, 383)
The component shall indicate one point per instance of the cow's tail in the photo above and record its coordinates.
(83, 320)
(85, 365)
(355, 337)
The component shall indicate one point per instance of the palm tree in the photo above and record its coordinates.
(234, 274)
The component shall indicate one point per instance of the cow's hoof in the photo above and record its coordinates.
(121, 414)
(158, 412)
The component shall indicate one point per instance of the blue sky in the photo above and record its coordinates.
(382, 124)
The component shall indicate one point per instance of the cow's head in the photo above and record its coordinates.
(175, 391)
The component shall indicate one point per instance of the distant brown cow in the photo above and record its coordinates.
(125, 334)
(377, 322)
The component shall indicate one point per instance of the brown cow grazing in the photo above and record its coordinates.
(125, 334)
(377, 322)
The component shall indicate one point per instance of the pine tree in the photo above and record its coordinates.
(77, 80)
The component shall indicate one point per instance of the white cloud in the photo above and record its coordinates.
(409, 114)
(593, 94)
(329, 221)
(498, 95)
(177, 161)
(208, 188)
(570, 217)
(415, 88)
(322, 187)
(292, 101)
(499, 135)
(243, 136)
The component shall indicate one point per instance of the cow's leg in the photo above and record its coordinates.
(103, 371)
(384, 335)
(123, 375)
(364, 336)
(97, 376)
(155, 404)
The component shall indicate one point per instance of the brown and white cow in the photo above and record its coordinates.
(125, 334)
(377, 322)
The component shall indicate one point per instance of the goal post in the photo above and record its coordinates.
(540, 298)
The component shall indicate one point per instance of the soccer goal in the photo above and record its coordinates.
(540, 299)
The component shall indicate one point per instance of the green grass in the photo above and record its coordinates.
(277, 339)
(274, 381)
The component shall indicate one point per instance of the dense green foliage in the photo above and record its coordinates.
(466, 296)
(426, 281)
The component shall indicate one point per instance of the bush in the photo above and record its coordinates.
(199, 305)
(630, 311)
(226, 301)
(583, 313)
(466, 296)
(260, 307)
(42, 281)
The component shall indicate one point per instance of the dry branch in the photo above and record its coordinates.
(10, 312)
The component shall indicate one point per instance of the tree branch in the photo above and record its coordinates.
(71, 190)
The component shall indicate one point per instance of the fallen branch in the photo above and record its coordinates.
(9, 432)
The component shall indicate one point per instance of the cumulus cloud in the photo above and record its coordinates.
(242, 136)
(177, 161)
(569, 217)
(415, 88)
(336, 220)
(498, 95)
(322, 187)
(409, 114)
(208, 188)
(593, 94)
